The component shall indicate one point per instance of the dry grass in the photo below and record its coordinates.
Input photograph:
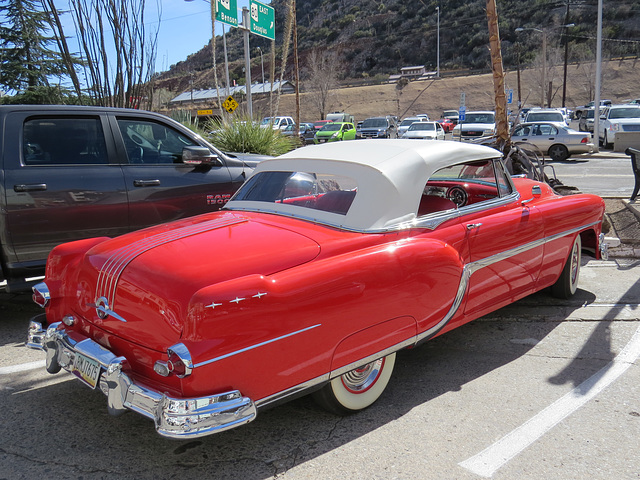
(619, 84)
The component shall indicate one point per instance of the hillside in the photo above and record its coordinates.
(619, 84)
(372, 39)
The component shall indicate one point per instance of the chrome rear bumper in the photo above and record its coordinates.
(173, 417)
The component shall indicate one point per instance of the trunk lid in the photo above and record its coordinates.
(138, 286)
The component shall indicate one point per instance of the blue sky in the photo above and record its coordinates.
(185, 27)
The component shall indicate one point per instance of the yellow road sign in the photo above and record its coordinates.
(205, 112)
(230, 104)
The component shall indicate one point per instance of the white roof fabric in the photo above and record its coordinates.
(390, 174)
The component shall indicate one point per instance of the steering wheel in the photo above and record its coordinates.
(458, 195)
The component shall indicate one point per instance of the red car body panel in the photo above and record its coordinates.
(265, 302)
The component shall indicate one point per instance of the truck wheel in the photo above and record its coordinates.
(357, 389)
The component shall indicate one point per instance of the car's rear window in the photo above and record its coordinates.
(326, 192)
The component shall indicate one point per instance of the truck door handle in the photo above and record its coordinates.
(471, 226)
(146, 183)
(31, 187)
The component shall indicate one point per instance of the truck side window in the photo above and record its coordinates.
(149, 142)
(63, 141)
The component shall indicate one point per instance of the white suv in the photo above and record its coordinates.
(618, 120)
(277, 123)
(546, 115)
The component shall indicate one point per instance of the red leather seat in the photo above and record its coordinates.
(432, 203)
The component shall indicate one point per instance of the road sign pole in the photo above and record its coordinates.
(247, 59)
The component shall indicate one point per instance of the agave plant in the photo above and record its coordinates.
(245, 135)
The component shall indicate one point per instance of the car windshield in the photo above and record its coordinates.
(480, 118)
(374, 122)
(409, 121)
(545, 117)
(307, 190)
(629, 112)
(265, 121)
(422, 126)
(331, 127)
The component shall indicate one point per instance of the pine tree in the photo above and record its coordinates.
(26, 60)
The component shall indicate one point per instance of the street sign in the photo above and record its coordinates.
(230, 104)
(462, 113)
(462, 99)
(263, 20)
(510, 96)
(204, 113)
(227, 12)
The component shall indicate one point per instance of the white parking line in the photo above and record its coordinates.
(22, 367)
(487, 462)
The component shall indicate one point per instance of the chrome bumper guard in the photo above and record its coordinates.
(604, 247)
(173, 417)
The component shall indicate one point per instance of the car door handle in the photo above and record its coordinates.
(552, 138)
(146, 183)
(31, 187)
(471, 226)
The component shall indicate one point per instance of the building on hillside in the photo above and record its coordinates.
(211, 95)
(417, 72)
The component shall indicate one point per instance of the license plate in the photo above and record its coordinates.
(86, 369)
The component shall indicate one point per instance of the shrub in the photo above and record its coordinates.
(243, 134)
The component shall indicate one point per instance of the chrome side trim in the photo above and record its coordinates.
(430, 221)
(470, 268)
(261, 344)
(284, 394)
(173, 417)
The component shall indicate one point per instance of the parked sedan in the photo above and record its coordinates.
(425, 131)
(335, 132)
(553, 139)
(329, 260)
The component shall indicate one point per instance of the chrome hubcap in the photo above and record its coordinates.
(362, 379)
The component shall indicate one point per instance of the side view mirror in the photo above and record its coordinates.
(193, 155)
(536, 191)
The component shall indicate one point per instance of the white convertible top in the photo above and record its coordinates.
(390, 175)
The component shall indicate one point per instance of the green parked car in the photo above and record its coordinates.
(332, 132)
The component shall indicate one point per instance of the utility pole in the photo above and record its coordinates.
(247, 59)
(295, 65)
(566, 57)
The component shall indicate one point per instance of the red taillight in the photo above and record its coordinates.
(585, 140)
(41, 295)
(178, 362)
(176, 365)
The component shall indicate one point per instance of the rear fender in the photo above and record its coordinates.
(372, 343)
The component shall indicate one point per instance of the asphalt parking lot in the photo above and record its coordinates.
(540, 389)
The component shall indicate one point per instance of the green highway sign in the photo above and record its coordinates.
(263, 20)
(227, 12)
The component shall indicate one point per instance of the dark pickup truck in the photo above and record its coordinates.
(69, 172)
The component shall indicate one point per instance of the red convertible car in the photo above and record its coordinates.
(325, 263)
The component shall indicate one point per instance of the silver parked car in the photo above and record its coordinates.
(425, 131)
(553, 138)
